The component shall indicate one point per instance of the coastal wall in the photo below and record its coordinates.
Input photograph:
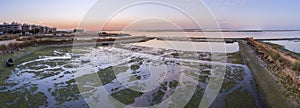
(273, 72)
(283, 64)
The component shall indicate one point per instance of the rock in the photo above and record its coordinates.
(85, 61)
(297, 82)
(284, 74)
(75, 55)
(269, 58)
(10, 62)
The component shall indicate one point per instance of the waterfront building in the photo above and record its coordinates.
(13, 27)
(43, 29)
(78, 30)
(2, 27)
(35, 29)
(16, 27)
(26, 28)
(52, 30)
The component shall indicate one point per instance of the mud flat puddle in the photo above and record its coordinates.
(114, 77)
(292, 45)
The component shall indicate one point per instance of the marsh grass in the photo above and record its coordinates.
(280, 47)
(296, 67)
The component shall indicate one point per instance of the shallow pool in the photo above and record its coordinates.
(292, 45)
(116, 77)
(219, 47)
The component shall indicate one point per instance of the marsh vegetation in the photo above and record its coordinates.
(51, 77)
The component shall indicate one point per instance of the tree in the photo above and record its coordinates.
(296, 67)
(10, 31)
(17, 31)
(3, 48)
(35, 31)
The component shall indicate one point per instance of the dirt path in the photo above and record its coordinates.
(266, 81)
(9, 41)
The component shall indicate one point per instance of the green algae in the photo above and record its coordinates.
(196, 98)
(239, 99)
(107, 75)
(23, 97)
(65, 93)
(37, 100)
(126, 96)
(120, 69)
(173, 84)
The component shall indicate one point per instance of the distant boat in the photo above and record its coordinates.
(296, 41)
(10, 62)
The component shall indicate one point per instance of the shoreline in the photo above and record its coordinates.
(263, 77)
(233, 65)
(275, 91)
(267, 82)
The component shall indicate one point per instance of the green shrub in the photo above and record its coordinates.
(296, 67)
(3, 48)
(276, 46)
(275, 56)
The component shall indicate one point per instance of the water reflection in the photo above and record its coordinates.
(133, 78)
(192, 46)
(292, 45)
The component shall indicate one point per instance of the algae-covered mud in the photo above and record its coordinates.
(125, 75)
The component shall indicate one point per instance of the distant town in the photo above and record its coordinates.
(25, 29)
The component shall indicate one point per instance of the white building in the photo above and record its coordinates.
(2, 27)
(14, 26)
(52, 30)
(26, 28)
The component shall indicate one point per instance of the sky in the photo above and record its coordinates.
(232, 14)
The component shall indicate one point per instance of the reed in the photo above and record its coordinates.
(296, 67)
(33, 42)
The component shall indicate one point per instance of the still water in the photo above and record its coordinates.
(292, 45)
(256, 35)
(133, 79)
(219, 47)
